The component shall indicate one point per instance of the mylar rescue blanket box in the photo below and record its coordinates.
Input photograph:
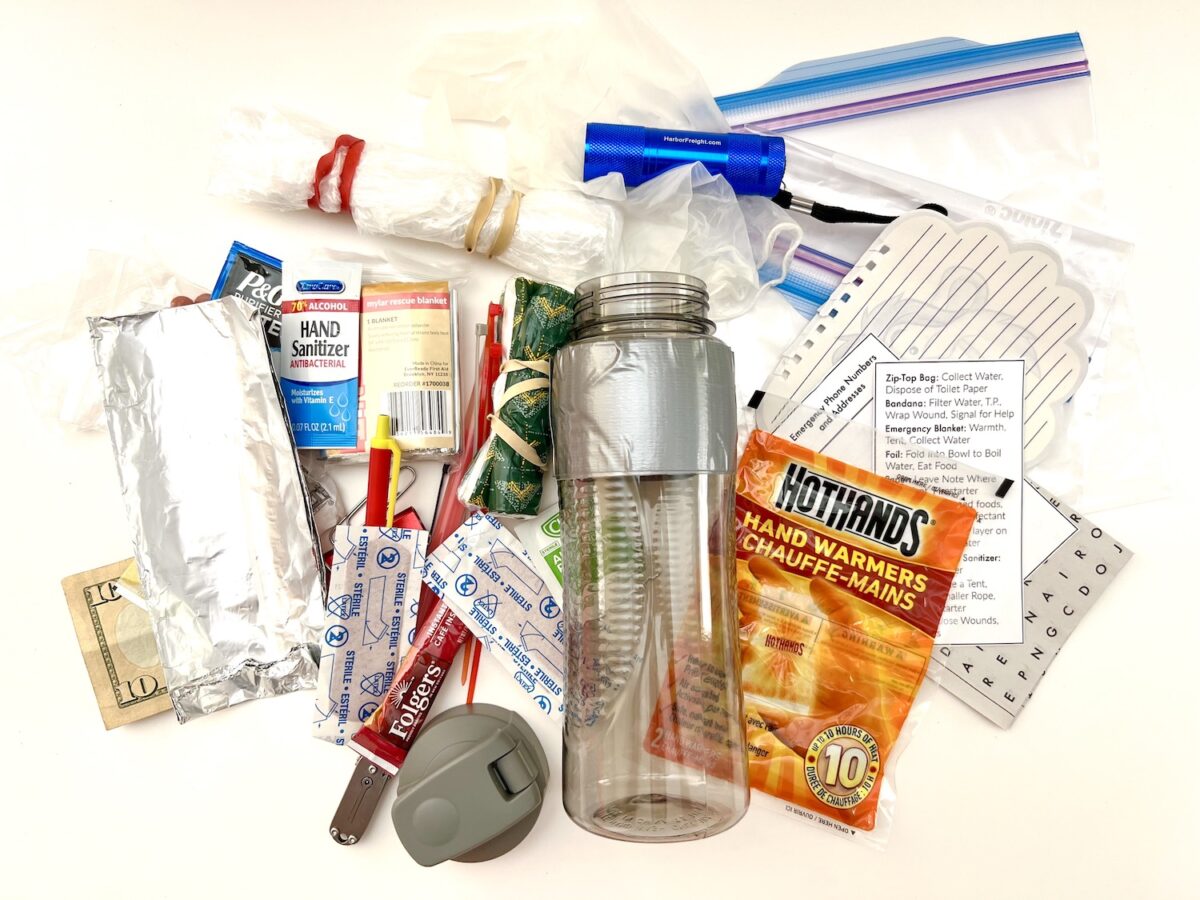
(320, 337)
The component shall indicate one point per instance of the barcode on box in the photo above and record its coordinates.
(419, 412)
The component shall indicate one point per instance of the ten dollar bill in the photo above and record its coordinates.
(118, 647)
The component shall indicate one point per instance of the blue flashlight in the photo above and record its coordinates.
(751, 163)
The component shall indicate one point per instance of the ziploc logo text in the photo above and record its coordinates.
(843, 507)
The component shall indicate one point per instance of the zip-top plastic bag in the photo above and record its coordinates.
(1012, 122)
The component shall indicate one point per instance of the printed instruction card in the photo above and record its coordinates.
(970, 411)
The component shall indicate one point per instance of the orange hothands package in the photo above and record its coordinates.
(842, 575)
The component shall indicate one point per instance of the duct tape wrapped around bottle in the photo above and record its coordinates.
(269, 158)
(506, 476)
(218, 514)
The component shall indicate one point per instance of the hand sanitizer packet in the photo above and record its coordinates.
(320, 343)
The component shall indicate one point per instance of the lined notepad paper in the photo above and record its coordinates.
(928, 289)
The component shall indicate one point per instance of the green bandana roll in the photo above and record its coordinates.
(509, 479)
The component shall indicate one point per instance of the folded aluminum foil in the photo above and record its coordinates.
(220, 520)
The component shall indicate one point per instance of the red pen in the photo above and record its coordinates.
(406, 518)
(383, 475)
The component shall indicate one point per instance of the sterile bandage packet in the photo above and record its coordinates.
(484, 573)
(370, 617)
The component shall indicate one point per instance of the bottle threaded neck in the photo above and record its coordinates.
(641, 303)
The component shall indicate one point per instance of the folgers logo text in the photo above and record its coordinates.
(849, 509)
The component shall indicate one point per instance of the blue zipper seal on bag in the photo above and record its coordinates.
(787, 102)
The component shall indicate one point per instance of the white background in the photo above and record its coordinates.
(110, 110)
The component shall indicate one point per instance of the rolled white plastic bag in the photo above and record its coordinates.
(270, 158)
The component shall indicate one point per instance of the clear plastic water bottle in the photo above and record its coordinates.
(645, 445)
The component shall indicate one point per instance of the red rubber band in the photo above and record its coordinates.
(354, 148)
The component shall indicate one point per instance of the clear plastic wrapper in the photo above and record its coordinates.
(688, 220)
(270, 158)
(547, 77)
(230, 564)
(600, 62)
(55, 356)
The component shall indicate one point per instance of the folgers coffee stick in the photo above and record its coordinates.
(388, 733)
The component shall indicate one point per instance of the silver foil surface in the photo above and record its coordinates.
(219, 517)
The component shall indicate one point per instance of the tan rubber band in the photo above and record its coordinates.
(482, 211)
(500, 429)
(535, 365)
(514, 440)
(508, 226)
(523, 387)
